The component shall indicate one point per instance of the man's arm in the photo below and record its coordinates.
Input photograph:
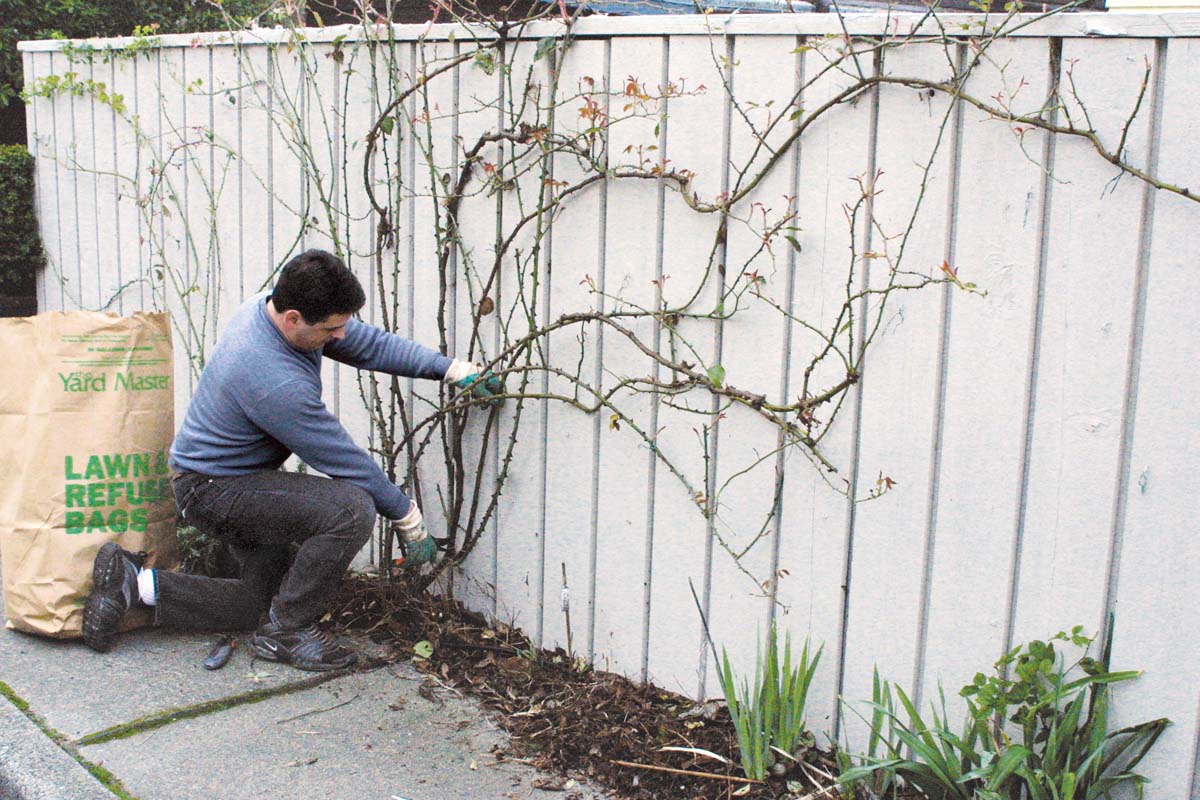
(294, 414)
(367, 347)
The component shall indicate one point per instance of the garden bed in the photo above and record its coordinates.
(562, 716)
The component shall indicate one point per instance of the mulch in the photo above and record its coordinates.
(561, 715)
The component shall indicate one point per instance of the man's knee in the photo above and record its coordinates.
(359, 507)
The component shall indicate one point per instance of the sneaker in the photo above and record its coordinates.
(114, 592)
(308, 648)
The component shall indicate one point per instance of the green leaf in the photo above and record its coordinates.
(422, 650)
(485, 59)
(545, 47)
(794, 243)
(716, 374)
(386, 125)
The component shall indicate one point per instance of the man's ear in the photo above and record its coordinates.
(293, 317)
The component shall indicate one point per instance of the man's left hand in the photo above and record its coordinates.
(482, 384)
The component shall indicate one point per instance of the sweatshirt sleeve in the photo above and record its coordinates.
(293, 414)
(367, 347)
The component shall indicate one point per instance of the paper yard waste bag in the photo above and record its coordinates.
(86, 420)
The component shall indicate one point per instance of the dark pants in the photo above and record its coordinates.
(259, 516)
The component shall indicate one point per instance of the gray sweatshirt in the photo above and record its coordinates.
(259, 401)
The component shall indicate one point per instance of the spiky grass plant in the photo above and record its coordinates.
(769, 715)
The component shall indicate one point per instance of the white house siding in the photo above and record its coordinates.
(1043, 437)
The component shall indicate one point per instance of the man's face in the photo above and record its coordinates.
(307, 337)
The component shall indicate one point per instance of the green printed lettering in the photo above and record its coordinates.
(116, 466)
(161, 467)
(96, 522)
(95, 495)
(141, 383)
(141, 464)
(75, 495)
(83, 381)
(74, 522)
(69, 469)
(95, 468)
(137, 520)
(115, 490)
(118, 521)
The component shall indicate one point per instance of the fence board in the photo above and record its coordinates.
(126, 160)
(102, 241)
(751, 343)
(1087, 302)
(65, 147)
(356, 107)
(223, 246)
(995, 228)
(1157, 622)
(676, 644)
(520, 303)
(478, 116)
(258, 147)
(835, 155)
(623, 527)
(43, 136)
(167, 96)
(576, 247)
(899, 403)
(435, 162)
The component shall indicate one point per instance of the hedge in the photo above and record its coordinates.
(21, 252)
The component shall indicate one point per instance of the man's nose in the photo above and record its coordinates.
(340, 333)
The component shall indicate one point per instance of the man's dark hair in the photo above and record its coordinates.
(317, 284)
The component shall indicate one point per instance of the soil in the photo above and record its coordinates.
(562, 716)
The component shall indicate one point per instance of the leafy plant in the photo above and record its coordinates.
(1060, 749)
(1065, 749)
(769, 715)
(200, 553)
(20, 244)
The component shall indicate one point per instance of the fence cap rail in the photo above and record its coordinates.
(1061, 23)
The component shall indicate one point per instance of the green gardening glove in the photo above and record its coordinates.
(419, 547)
(421, 552)
(474, 379)
(484, 387)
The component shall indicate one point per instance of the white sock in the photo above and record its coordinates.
(148, 587)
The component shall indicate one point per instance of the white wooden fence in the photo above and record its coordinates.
(1043, 438)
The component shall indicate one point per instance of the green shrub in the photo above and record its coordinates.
(20, 245)
(50, 19)
(1037, 729)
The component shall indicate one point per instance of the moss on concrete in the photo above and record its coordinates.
(106, 778)
(161, 718)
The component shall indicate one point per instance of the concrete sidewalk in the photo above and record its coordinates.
(156, 725)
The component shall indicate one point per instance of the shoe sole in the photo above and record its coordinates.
(101, 613)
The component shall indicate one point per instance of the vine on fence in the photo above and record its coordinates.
(541, 145)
